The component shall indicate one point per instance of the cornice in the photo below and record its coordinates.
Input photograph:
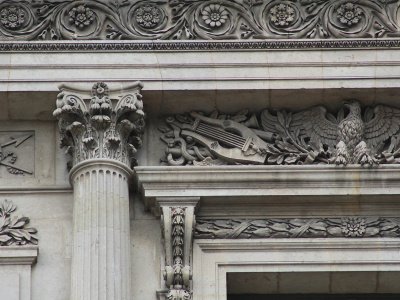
(298, 244)
(268, 180)
(18, 255)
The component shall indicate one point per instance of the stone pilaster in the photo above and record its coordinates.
(101, 131)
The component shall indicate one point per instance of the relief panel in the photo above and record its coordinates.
(17, 153)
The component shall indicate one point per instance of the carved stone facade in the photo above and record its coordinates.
(198, 20)
(313, 136)
(278, 128)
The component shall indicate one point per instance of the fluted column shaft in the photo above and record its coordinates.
(101, 250)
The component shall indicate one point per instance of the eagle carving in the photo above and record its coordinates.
(351, 137)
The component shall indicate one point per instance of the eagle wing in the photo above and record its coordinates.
(384, 124)
(315, 123)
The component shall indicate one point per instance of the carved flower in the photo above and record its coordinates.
(349, 13)
(100, 103)
(282, 15)
(100, 89)
(353, 227)
(214, 15)
(81, 16)
(148, 16)
(12, 17)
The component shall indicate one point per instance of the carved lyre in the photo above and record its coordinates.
(227, 139)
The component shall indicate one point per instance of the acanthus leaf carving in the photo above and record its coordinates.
(92, 127)
(177, 222)
(199, 20)
(312, 136)
(346, 227)
(177, 275)
(13, 230)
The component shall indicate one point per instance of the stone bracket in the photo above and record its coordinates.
(178, 221)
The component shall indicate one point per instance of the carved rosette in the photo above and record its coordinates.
(102, 124)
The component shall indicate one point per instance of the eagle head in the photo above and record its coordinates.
(353, 106)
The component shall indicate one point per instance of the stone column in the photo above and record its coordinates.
(101, 131)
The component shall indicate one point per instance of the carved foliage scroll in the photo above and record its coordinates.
(349, 227)
(177, 229)
(177, 276)
(200, 20)
(13, 230)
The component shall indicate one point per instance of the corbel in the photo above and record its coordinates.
(178, 223)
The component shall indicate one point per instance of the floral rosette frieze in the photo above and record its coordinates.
(102, 124)
(198, 20)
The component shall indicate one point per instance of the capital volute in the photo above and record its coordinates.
(101, 123)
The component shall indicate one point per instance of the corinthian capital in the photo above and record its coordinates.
(101, 123)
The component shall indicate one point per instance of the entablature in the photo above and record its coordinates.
(262, 191)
